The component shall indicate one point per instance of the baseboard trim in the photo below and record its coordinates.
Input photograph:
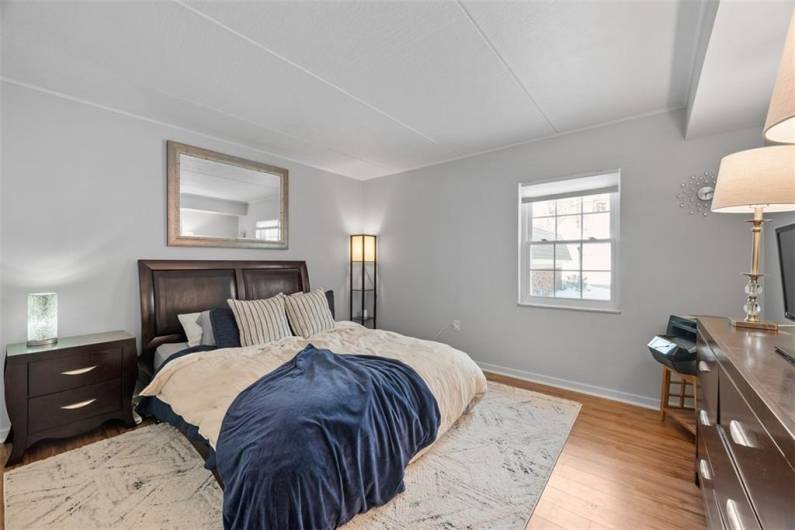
(584, 388)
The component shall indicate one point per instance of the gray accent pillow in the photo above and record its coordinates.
(208, 339)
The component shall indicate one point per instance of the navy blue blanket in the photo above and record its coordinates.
(321, 439)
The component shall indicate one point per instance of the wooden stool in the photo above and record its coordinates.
(683, 415)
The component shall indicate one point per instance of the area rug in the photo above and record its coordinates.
(487, 472)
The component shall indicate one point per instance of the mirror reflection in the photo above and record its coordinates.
(223, 201)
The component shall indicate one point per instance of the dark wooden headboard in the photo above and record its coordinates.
(174, 287)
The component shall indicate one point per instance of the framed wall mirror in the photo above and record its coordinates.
(217, 200)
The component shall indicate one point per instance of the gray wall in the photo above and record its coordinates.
(84, 197)
(448, 250)
(4, 421)
(773, 295)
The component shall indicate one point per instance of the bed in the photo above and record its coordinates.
(198, 390)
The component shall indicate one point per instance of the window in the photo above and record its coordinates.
(267, 230)
(568, 242)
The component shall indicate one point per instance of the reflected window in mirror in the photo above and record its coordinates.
(267, 230)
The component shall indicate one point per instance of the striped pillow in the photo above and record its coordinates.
(309, 313)
(260, 321)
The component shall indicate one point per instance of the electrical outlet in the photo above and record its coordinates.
(457, 325)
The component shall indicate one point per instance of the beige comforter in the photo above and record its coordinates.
(201, 386)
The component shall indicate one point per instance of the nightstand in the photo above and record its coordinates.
(69, 387)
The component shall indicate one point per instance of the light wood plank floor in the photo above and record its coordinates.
(621, 469)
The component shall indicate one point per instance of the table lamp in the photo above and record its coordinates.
(756, 181)
(780, 123)
(42, 319)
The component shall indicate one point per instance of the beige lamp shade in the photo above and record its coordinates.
(763, 177)
(780, 123)
(363, 247)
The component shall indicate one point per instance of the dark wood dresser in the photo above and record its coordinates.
(68, 388)
(745, 459)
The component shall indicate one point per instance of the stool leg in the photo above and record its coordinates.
(682, 389)
(665, 389)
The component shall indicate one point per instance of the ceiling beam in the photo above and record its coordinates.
(736, 66)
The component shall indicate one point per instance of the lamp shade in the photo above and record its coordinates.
(42, 318)
(780, 123)
(763, 177)
(363, 247)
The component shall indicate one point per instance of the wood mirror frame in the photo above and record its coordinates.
(176, 238)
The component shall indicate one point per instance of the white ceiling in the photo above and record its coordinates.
(364, 89)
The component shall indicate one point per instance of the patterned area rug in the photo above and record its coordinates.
(488, 471)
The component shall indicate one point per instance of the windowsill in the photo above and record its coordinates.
(609, 310)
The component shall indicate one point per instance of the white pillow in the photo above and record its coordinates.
(309, 313)
(193, 331)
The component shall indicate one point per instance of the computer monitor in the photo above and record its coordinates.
(785, 236)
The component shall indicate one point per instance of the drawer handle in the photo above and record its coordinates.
(702, 416)
(703, 468)
(703, 367)
(739, 436)
(79, 404)
(733, 515)
(79, 371)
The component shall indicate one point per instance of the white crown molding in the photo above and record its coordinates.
(278, 132)
(252, 147)
(539, 139)
(147, 119)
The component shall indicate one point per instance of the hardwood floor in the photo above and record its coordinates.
(622, 468)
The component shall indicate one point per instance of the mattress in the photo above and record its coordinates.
(200, 387)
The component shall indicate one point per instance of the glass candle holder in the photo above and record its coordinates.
(42, 319)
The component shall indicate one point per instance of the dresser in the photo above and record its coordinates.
(745, 461)
(68, 388)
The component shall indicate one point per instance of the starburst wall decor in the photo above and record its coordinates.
(695, 194)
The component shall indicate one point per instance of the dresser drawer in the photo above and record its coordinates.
(729, 496)
(768, 477)
(706, 477)
(55, 410)
(75, 369)
(707, 393)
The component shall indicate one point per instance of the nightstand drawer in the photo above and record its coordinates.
(54, 410)
(75, 369)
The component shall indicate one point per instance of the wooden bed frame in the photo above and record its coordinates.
(173, 287)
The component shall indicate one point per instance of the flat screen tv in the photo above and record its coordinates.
(785, 236)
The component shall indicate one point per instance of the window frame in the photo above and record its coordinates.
(524, 237)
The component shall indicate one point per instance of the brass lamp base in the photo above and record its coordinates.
(765, 325)
(753, 289)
